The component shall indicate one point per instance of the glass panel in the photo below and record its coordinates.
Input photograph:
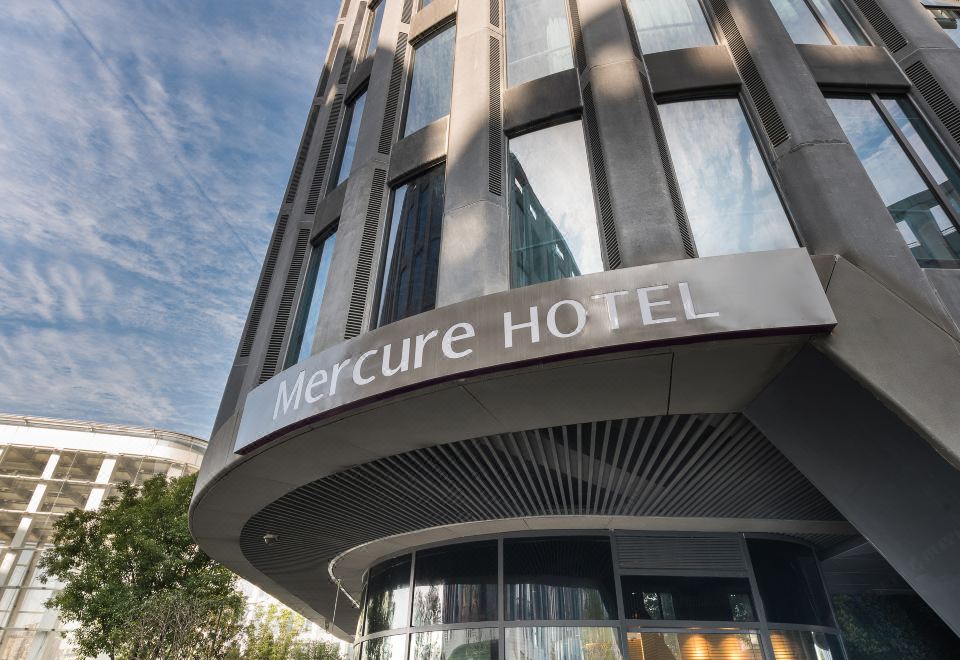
(412, 256)
(687, 598)
(804, 645)
(477, 644)
(424, 3)
(803, 26)
(374, 35)
(788, 579)
(384, 648)
(456, 585)
(731, 203)
(388, 597)
(431, 82)
(565, 643)
(538, 40)
(949, 20)
(693, 646)
(560, 578)
(353, 132)
(922, 221)
(311, 301)
(670, 24)
(841, 23)
(554, 231)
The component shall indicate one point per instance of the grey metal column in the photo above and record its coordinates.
(832, 198)
(644, 216)
(475, 245)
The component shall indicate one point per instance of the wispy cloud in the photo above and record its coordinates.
(144, 146)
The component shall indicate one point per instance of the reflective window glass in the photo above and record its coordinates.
(354, 115)
(801, 645)
(694, 646)
(424, 3)
(376, 24)
(565, 643)
(470, 644)
(412, 256)
(384, 648)
(388, 597)
(822, 22)
(803, 26)
(788, 579)
(431, 82)
(553, 222)
(456, 584)
(559, 578)
(949, 20)
(731, 203)
(311, 301)
(538, 39)
(687, 598)
(845, 30)
(670, 24)
(923, 222)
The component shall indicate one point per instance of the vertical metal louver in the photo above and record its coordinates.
(676, 199)
(323, 159)
(935, 96)
(263, 288)
(891, 36)
(368, 245)
(325, 76)
(495, 121)
(352, 45)
(762, 101)
(495, 13)
(608, 224)
(393, 96)
(682, 554)
(407, 12)
(577, 35)
(302, 156)
(272, 357)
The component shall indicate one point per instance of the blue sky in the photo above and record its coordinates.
(144, 148)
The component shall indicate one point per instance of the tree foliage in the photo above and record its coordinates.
(276, 633)
(137, 583)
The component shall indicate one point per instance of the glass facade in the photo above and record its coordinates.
(949, 20)
(469, 644)
(824, 22)
(376, 23)
(456, 585)
(431, 81)
(911, 171)
(709, 645)
(731, 203)
(553, 222)
(788, 578)
(538, 39)
(569, 643)
(311, 300)
(412, 255)
(658, 597)
(670, 24)
(388, 597)
(349, 146)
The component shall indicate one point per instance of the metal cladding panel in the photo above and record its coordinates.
(775, 292)
(680, 554)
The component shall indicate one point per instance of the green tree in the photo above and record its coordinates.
(276, 634)
(136, 582)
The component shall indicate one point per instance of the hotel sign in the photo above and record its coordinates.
(774, 292)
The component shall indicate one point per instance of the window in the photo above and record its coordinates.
(696, 646)
(412, 257)
(311, 300)
(797, 645)
(553, 221)
(384, 648)
(687, 598)
(915, 177)
(456, 584)
(948, 19)
(349, 147)
(470, 644)
(538, 39)
(388, 596)
(558, 578)
(789, 582)
(731, 202)
(566, 643)
(819, 22)
(431, 82)
(424, 3)
(373, 36)
(670, 24)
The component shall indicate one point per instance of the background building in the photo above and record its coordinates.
(610, 328)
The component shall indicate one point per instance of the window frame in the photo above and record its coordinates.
(372, 10)
(571, 43)
(411, 64)
(708, 17)
(875, 99)
(316, 251)
(344, 134)
(831, 35)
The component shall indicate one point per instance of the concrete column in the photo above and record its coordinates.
(834, 203)
(475, 246)
(647, 226)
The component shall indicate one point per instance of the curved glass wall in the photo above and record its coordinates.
(522, 597)
(670, 24)
(538, 39)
